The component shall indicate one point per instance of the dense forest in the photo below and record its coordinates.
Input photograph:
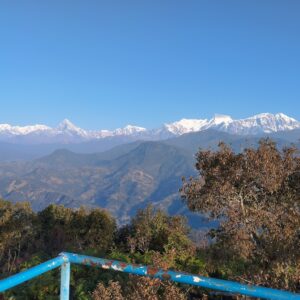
(254, 195)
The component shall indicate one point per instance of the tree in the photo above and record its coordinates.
(153, 230)
(28, 239)
(139, 288)
(16, 234)
(255, 195)
(82, 230)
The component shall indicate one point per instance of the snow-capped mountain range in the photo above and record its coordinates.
(67, 132)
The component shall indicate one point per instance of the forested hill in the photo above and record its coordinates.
(122, 179)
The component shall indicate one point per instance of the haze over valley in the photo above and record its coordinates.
(125, 169)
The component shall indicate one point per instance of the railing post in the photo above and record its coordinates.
(65, 281)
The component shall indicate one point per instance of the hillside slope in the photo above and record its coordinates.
(121, 180)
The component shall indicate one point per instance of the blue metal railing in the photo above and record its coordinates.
(65, 259)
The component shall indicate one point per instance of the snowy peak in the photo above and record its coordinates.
(66, 126)
(21, 130)
(129, 130)
(185, 126)
(258, 124)
(285, 122)
(67, 132)
(220, 119)
(265, 123)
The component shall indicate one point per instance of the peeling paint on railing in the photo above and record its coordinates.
(66, 259)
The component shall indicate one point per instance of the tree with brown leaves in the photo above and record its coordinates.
(139, 288)
(255, 195)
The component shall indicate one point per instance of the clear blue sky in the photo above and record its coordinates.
(104, 64)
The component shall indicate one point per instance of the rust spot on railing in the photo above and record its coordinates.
(123, 265)
(152, 271)
(166, 276)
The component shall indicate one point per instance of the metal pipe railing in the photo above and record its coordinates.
(21, 277)
(66, 259)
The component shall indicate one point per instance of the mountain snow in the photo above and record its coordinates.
(258, 124)
(186, 126)
(67, 127)
(262, 123)
(129, 130)
(67, 132)
(9, 130)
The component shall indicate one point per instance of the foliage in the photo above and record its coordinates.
(83, 231)
(93, 232)
(16, 230)
(27, 239)
(154, 230)
(139, 288)
(256, 197)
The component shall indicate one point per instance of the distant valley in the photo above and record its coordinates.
(119, 173)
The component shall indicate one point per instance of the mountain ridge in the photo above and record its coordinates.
(122, 179)
(67, 133)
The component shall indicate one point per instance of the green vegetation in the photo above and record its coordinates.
(255, 195)
(28, 238)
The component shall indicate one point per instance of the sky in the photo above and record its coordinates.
(105, 64)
